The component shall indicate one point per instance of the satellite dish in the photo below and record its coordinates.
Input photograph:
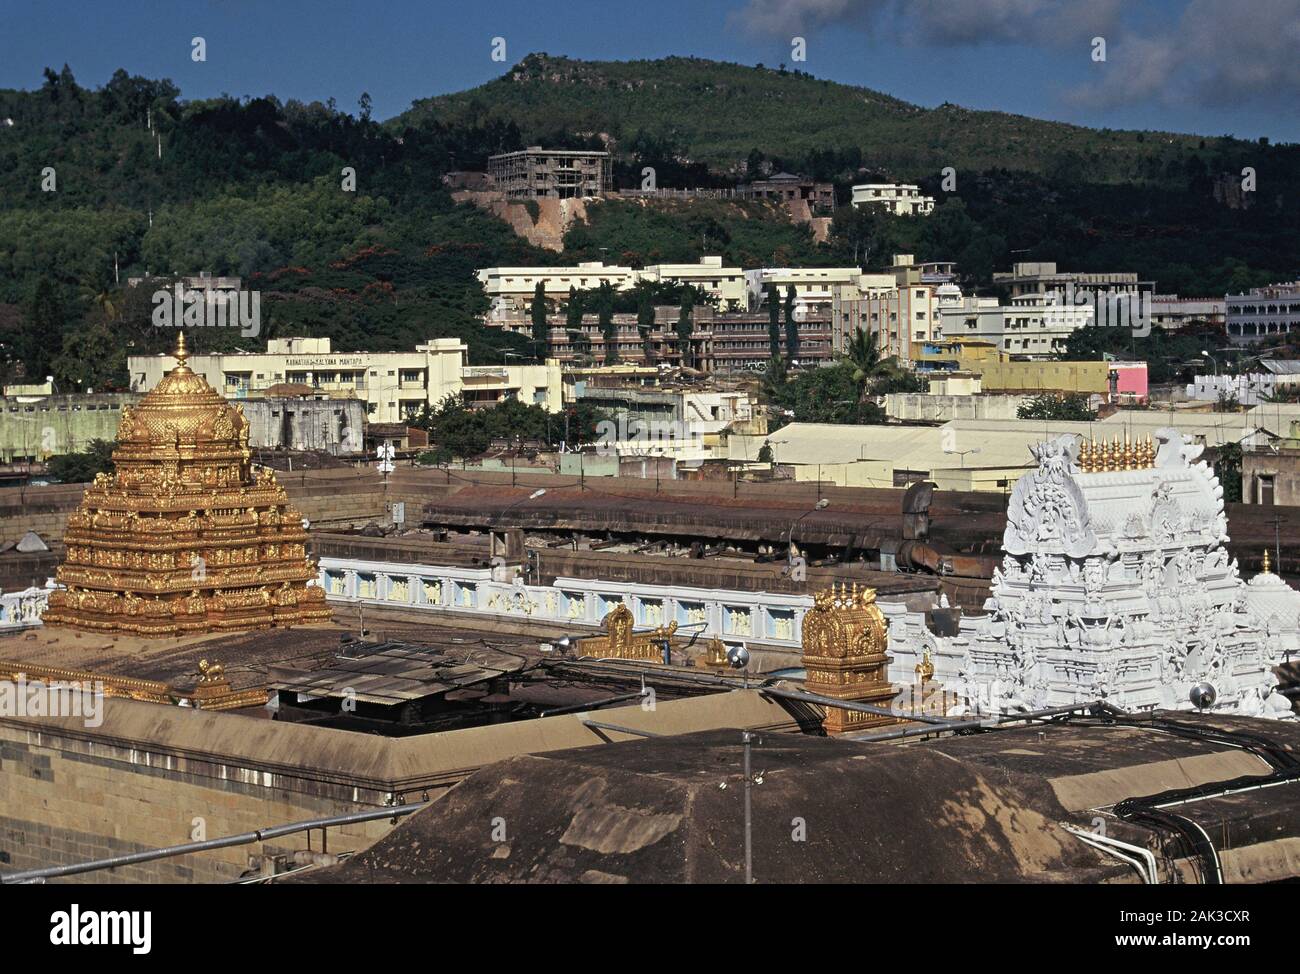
(738, 657)
(1203, 696)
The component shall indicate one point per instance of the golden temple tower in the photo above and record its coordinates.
(183, 538)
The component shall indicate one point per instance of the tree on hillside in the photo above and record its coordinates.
(791, 326)
(540, 328)
(773, 322)
(40, 334)
(857, 231)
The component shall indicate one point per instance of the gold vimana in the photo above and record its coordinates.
(1099, 456)
(183, 537)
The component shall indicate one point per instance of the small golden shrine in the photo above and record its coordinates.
(183, 538)
(844, 643)
(620, 642)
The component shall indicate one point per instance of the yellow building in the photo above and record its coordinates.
(1087, 378)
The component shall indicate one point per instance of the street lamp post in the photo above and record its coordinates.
(821, 505)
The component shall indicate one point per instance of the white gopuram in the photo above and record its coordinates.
(1115, 585)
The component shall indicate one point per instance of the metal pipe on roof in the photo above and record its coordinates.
(592, 704)
(861, 707)
(244, 838)
(985, 722)
(635, 732)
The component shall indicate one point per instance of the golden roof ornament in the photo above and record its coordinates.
(1102, 457)
(182, 537)
(844, 655)
(1267, 567)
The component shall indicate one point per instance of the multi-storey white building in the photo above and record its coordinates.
(394, 385)
(1027, 326)
(1171, 312)
(900, 199)
(511, 289)
(815, 288)
(1263, 312)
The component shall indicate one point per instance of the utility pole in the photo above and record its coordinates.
(746, 737)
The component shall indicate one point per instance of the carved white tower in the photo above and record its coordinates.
(1115, 585)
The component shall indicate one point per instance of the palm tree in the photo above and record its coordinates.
(869, 369)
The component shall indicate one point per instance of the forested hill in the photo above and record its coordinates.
(717, 113)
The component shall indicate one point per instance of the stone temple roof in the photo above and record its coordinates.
(984, 808)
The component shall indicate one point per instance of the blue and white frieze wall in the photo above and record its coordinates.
(774, 619)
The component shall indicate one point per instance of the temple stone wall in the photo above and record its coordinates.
(94, 802)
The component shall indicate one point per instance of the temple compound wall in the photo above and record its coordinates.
(772, 618)
(152, 775)
(1115, 586)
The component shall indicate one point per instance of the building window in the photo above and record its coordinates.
(1264, 489)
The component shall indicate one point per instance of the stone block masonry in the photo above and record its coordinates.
(66, 802)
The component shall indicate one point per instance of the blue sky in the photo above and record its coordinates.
(1207, 66)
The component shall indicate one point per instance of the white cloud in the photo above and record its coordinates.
(946, 22)
(1211, 52)
(1218, 52)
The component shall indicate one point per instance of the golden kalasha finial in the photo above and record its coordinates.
(182, 353)
(1266, 564)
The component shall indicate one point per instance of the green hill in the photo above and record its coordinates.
(145, 181)
(719, 112)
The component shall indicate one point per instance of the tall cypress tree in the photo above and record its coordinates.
(540, 330)
(607, 327)
(685, 325)
(773, 321)
(791, 328)
(41, 334)
(645, 323)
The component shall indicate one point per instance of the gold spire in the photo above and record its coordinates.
(1266, 564)
(182, 353)
(183, 536)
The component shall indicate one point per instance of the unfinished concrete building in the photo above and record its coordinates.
(537, 173)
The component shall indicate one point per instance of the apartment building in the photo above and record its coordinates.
(725, 284)
(815, 288)
(719, 342)
(899, 308)
(900, 199)
(1263, 312)
(510, 289)
(1043, 280)
(1170, 312)
(1026, 327)
(537, 173)
(394, 385)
